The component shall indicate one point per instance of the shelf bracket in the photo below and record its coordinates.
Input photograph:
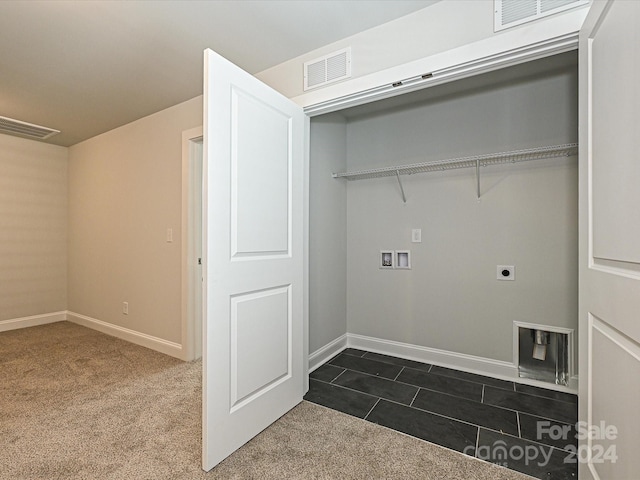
(478, 178)
(404, 198)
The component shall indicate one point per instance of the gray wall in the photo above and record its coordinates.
(328, 232)
(527, 215)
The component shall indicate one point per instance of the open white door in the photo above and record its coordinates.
(254, 160)
(610, 241)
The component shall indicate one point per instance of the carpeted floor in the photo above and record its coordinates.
(77, 404)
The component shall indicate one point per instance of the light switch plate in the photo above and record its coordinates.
(416, 235)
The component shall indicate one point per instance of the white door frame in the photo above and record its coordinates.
(191, 326)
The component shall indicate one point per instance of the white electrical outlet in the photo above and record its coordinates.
(506, 272)
(169, 235)
(416, 235)
(125, 308)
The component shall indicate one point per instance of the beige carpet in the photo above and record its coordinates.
(77, 404)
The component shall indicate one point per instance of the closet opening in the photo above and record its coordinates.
(448, 308)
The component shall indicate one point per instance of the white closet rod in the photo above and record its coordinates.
(476, 162)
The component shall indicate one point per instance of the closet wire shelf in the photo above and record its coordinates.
(475, 161)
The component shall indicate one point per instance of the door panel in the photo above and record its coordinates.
(613, 358)
(609, 241)
(260, 343)
(261, 222)
(253, 365)
(616, 233)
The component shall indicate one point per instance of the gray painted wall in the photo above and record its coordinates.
(527, 215)
(328, 232)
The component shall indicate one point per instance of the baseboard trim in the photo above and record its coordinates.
(459, 361)
(32, 321)
(154, 343)
(325, 353)
(443, 358)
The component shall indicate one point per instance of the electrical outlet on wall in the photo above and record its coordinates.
(125, 308)
(506, 272)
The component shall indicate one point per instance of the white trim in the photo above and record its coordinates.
(190, 350)
(158, 344)
(305, 261)
(327, 352)
(443, 358)
(32, 321)
(527, 43)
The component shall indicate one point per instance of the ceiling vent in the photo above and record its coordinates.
(328, 69)
(509, 13)
(16, 127)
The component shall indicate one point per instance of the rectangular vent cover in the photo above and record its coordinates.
(16, 127)
(328, 69)
(509, 13)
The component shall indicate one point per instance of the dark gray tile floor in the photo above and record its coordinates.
(525, 428)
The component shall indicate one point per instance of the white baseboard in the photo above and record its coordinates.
(458, 361)
(32, 321)
(443, 358)
(154, 343)
(327, 352)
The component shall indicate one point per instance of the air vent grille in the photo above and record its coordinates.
(549, 5)
(515, 10)
(16, 127)
(328, 69)
(509, 13)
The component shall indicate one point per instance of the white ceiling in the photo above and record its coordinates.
(86, 67)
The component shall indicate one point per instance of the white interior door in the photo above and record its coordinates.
(254, 370)
(610, 241)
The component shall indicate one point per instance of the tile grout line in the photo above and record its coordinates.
(338, 376)
(414, 398)
(482, 399)
(371, 410)
(519, 430)
(401, 370)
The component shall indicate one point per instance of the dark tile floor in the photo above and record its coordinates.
(524, 428)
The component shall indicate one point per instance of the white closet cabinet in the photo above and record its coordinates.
(449, 305)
